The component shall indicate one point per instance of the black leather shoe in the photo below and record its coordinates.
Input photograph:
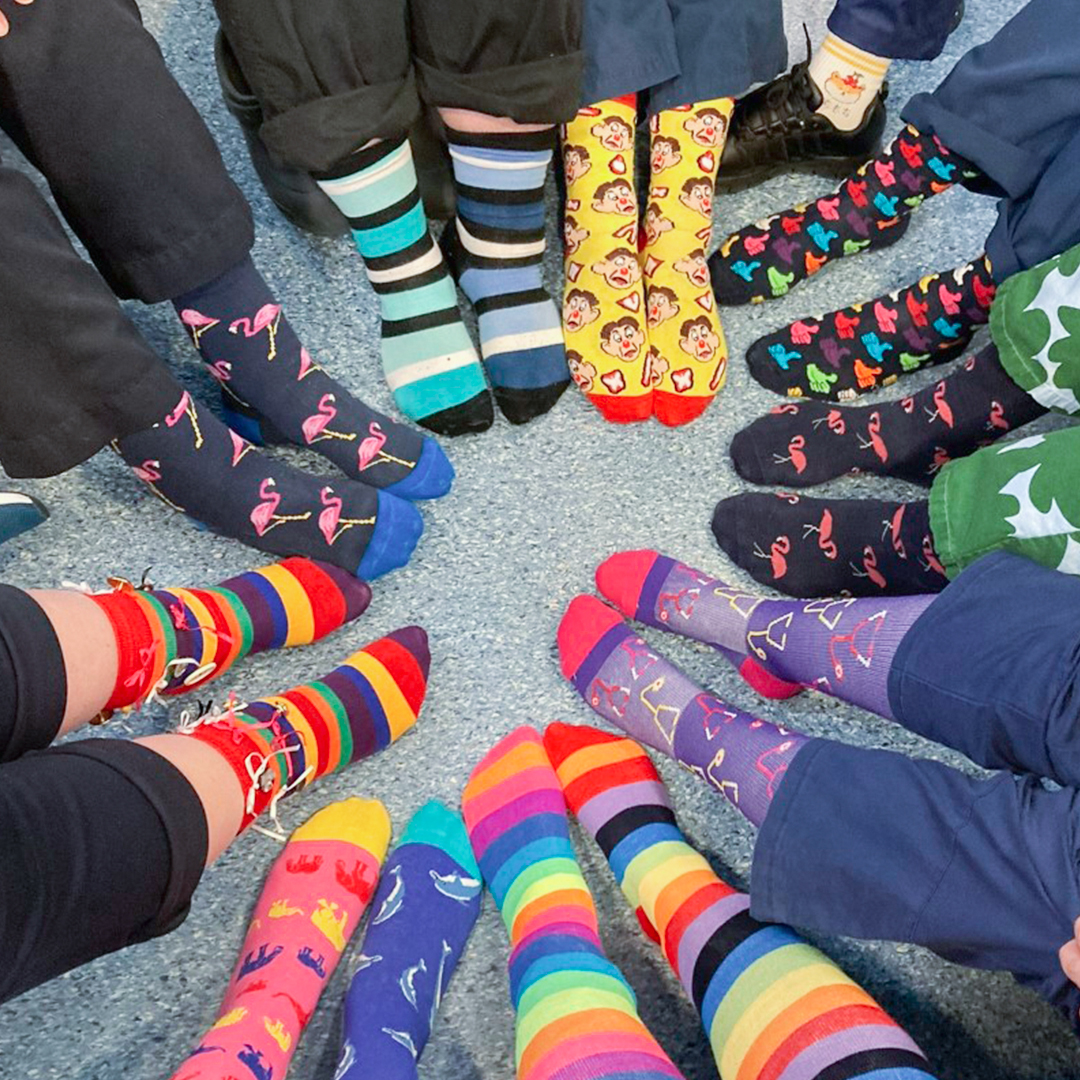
(776, 130)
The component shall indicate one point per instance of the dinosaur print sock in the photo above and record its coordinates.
(278, 744)
(497, 243)
(849, 79)
(195, 464)
(686, 340)
(825, 547)
(648, 698)
(172, 641)
(274, 392)
(798, 445)
(771, 1004)
(428, 358)
(870, 345)
(310, 905)
(422, 915)
(867, 211)
(576, 1013)
(604, 314)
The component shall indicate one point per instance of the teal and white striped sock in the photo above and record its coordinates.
(428, 357)
(496, 245)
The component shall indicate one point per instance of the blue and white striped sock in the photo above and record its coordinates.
(497, 245)
(428, 357)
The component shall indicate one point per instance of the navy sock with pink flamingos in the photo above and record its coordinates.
(275, 392)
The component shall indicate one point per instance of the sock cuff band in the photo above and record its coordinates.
(361, 159)
(503, 140)
(135, 641)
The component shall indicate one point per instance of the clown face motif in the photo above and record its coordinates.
(665, 154)
(697, 194)
(619, 268)
(695, 268)
(613, 133)
(623, 339)
(579, 309)
(708, 127)
(615, 197)
(655, 223)
(576, 162)
(581, 371)
(698, 339)
(663, 304)
(574, 235)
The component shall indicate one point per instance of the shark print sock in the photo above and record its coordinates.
(274, 392)
(652, 701)
(310, 905)
(867, 211)
(172, 641)
(825, 547)
(281, 743)
(428, 357)
(861, 348)
(496, 245)
(576, 1014)
(770, 1003)
(798, 445)
(425, 908)
(197, 465)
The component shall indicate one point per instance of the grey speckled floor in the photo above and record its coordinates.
(532, 513)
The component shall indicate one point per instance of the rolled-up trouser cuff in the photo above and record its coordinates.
(895, 30)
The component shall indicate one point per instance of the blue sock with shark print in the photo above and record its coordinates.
(421, 917)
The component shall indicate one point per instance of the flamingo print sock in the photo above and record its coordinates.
(275, 392)
(278, 744)
(496, 245)
(576, 1013)
(310, 905)
(825, 547)
(651, 700)
(798, 445)
(197, 465)
(771, 1004)
(172, 641)
(425, 908)
(686, 339)
(872, 344)
(427, 355)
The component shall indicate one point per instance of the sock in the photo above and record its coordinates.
(798, 445)
(870, 345)
(197, 465)
(824, 547)
(422, 915)
(771, 1004)
(867, 211)
(428, 358)
(171, 641)
(686, 340)
(848, 78)
(18, 514)
(650, 699)
(604, 312)
(576, 1014)
(310, 905)
(278, 744)
(274, 391)
(497, 245)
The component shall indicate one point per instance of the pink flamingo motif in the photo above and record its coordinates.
(197, 323)
(307, 365)
(265, 516)
(892, 529)
(186, 407)
(221, 370)
(932, 562)
(824, 531)
(780, 547)
(795, 454)
(835, 420)
(997, 417)
(942, 409)
(787, 408)
(266, 318)
(240, 448)
(370, 451)
(149, 472)
(941, 459)
(869, 569)
(875, 442)
(316, 426)
(331, 523)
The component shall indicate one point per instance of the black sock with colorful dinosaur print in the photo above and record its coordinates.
(856, 350)
(869, 210)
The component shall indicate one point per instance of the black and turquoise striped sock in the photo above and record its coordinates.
(496, 244)
(428, 357)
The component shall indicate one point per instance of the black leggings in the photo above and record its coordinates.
(102, 842)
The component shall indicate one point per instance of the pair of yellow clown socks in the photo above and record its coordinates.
(642, 334)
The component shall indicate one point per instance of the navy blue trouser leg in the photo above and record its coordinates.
(897, 29)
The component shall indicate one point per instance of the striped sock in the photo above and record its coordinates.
(848, 79)
(170, 641)
(287, 741)
(428, 357)
(496, 244)
(771, 1004)
(576, 1014)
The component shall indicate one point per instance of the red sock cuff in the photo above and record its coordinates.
(135, 649)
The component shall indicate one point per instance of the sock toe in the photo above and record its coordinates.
(728, 287)
(431, 477)
(439, 826)
(766, 683)
(355, 592)
(521, 406)
(764, 368)
(584, 623)
(625, 409)
(745, 457)
(415, 640)
(725, 525)
(398, 526)
(561, 740)
(363, 822)
(674, 410)
(470, 417)
(621, 578)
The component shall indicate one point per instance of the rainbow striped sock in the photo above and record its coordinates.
(772, 1005)
(286, 741)
(428, 356)
(576, 1014)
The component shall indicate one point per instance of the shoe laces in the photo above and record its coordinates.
(788, 101)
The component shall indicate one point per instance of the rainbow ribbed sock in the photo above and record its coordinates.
(771, 1004)
(286, 741)
(171, 641)
(576, 1014)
